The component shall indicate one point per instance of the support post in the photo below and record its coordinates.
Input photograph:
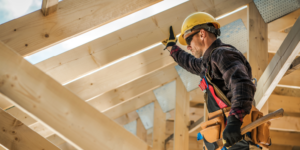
(181, 132)
(159, 127)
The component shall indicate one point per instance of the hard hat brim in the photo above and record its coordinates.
(182, 40)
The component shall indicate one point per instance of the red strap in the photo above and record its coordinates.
(220, 103)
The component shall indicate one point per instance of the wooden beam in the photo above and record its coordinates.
(135, 88)
(286, 123)
(181, 131)
(258, 44)
(16, 135)
(284, 22)
(193, 144)
(278, 65)
(54, 105)
(127, 118)
(141, 132)
(4, 102)
(159, 127)
(288, 103)
(291, 79)
(285, 138)
(34, 32)
(102, 51)
(285, 91)
(130, 105)
(294, 66)
(280, 147)
(49, 6)
(121, 73)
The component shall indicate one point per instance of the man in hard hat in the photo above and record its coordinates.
(226, 67)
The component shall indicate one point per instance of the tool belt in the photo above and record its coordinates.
(219, 106)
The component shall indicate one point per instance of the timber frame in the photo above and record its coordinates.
(69, 111)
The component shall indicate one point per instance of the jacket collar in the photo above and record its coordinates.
(215, 44)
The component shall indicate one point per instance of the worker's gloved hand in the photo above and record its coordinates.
(171, 41)
(232, 131)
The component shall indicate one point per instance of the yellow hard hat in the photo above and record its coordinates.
(194, 19)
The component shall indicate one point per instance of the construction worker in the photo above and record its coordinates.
(223, 64)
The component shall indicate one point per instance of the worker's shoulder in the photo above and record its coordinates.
(226, 51)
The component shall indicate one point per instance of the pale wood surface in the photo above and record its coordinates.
(141, 132)
(130, 105)
(34, 32)
(193, 144)
(51, 103)
(292, 79)
(284, 22)
(284, 91)
(285, 138)
(286, 123)
(257, 54)
(16, 135)
(288, 103)
(49, 6)
(280, 147)
(127, 118)
(135, 88)
(181, 132)
(4, 103)
(278, 65)
(159, 127)
(102, 51)
(121, 73)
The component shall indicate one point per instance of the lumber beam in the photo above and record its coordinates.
(257, 54)
(58, 108)
(34, 32)
(127, 118)
(159, 127)
(278, 65)
(285, 138)
(141, 132)
(284, 22)
(49, 6)
(181, 131)
(102, 51)
(288, 103)
(135, 88)
(16, 135)
(286, 123)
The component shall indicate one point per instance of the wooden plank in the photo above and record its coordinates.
(141, 132)
(159, 127)
(285, 91)
(193, 144)
(130, 105)
(288, 103)
(127, 118)
(16, 135)
(280, 147)
(102, 51)
(4, 103)
(291, 79)
(278, 65)
(181, 132)
(57, 107)
(294, 66)
(257, 54)
(285, 138)
(135, 88)
(284, 22)
(34, 32)
(121, 73)
(286, 123)
(49, 6)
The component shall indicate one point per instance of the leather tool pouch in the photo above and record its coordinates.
(261, 134)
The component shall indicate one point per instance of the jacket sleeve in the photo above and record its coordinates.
(237, 77)
(186, 60)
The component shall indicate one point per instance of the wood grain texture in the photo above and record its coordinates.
(288, 103)
(284, 22)
(159, 127)
(141, 132)
(278, 65)
(257, 54)
(181, 132)
(285, 138)
(16, 135)
(104, 50)
(135, 88)
(35, 32)
(49, 6)
(54, 105)
(286, 123)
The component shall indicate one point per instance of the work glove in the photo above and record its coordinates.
(232, 131)
(171, 41)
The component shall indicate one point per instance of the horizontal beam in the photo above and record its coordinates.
(285, 138)
(278, 65)
(286, 123)
(58, 108)
(16, 135)
(49, 6)
(104, 50)
(34, 32)
(288, 103)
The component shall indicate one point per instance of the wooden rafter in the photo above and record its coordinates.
(278, 65)
(102, 51)
(159, 127)
(285, 138)
(60, 109)
(49, 6)
(16, 135)
(35, 32)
